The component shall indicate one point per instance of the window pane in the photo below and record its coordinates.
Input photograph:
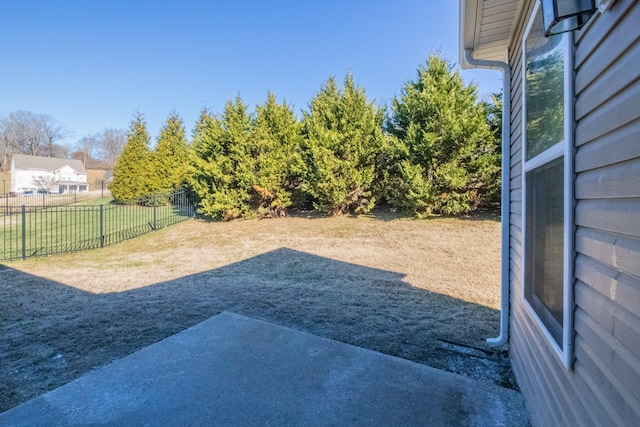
(544, 89)
(545, 244)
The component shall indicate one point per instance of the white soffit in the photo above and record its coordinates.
(486, 27)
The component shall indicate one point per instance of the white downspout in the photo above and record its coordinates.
(471, 62)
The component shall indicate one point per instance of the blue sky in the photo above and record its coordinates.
(92, 64)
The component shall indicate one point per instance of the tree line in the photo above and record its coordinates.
(25, 132)
(100, 150)
(436, 150)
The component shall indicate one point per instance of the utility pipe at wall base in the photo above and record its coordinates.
(470, 62)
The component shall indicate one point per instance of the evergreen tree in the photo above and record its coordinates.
(451, 161)
(208, 170)
(221, 166)
(493, 110)
(170, 159)
(545, 119)
(131, 176)
(342, 140)
(494, 114)
(275, 139)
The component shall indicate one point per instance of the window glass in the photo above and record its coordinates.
(545, 245)
(544, 79)
(545, 174)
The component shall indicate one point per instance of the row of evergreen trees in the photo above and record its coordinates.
(141, 171)
(435, 152)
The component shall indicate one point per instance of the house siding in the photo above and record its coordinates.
(604, 386)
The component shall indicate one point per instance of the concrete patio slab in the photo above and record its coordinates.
(232, 370)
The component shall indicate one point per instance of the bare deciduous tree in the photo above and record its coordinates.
(26, 132)
(30, 133)
(60, 151)
(53, 131)
(48, 182)
(7, 142)
(111, 143)
(86, 145)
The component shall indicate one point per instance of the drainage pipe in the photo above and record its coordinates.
(470, 62)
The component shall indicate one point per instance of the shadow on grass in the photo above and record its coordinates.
(51, 333)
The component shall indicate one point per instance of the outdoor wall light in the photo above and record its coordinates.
(560, 16)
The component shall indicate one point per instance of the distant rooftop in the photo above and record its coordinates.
(23, 161)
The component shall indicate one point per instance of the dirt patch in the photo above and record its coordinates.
(423, 290)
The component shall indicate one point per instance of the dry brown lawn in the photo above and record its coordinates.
(95, 175)
(415, 289)
(5, 181)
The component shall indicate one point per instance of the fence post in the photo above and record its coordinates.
(155, 216)
(101, 226)
(102, 190)
(24, 232)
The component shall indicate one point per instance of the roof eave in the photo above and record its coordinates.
(467, 14)
(477, 19)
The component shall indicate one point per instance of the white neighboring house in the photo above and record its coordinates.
(32, 173)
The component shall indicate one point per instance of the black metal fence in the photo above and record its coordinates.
(36, 230)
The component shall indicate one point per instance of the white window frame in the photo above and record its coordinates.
(604, 5)
(562, 148)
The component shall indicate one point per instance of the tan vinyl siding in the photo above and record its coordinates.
(613, 215)
(521, 354)
(617, 146)
(617, 181)
(604, 386)
(615, 250)
(614, 113)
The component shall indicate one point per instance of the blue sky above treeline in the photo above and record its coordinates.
(92, 64)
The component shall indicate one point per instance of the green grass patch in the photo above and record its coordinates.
(60, 229)
(96, 202)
